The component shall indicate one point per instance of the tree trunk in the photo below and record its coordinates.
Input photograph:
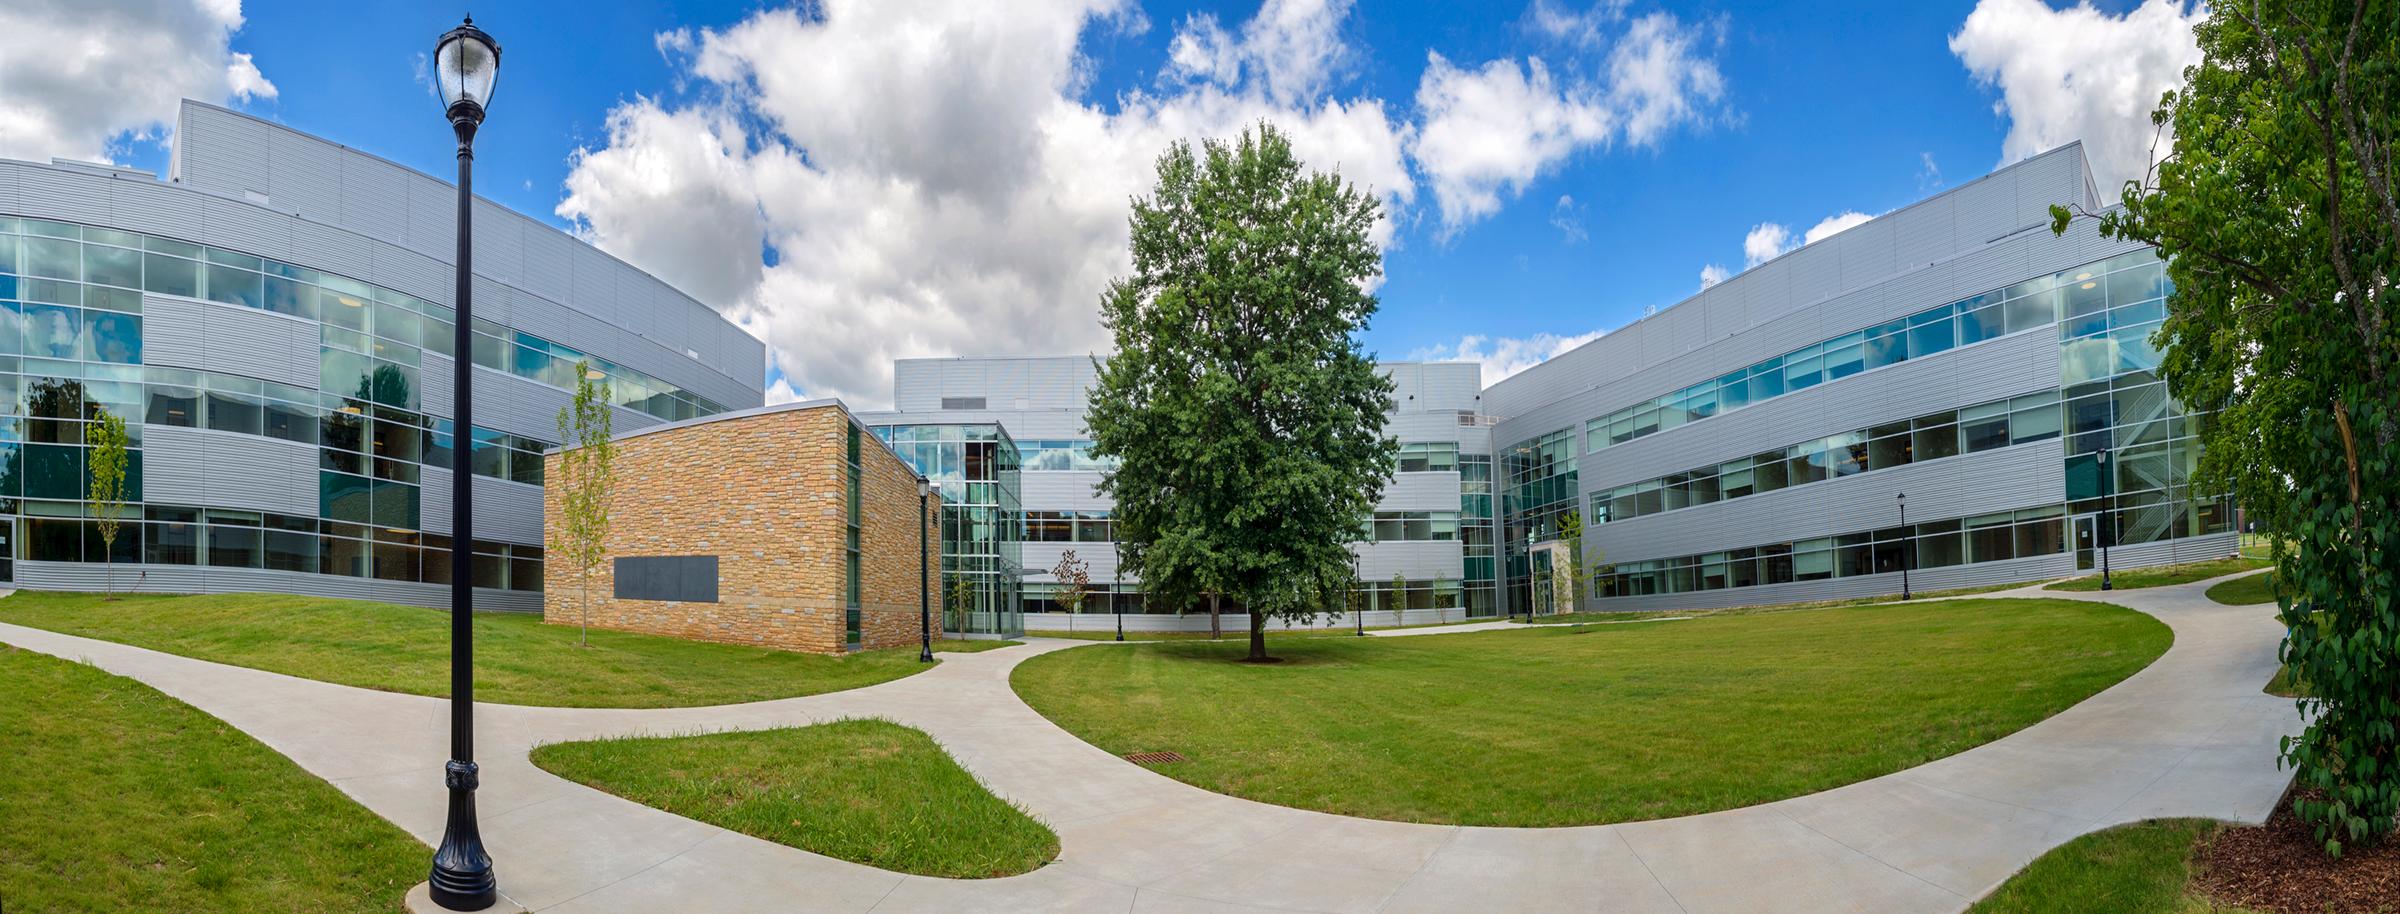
(1216, 624)
(1258, 637)
(583, 587)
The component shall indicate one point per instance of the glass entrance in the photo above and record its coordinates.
(2087, 541)
(8, 550)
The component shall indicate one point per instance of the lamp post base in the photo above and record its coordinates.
(420, 901)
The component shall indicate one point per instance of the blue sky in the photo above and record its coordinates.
(1815, 110)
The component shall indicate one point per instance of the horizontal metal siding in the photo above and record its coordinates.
(2023, 476)
(1061, 490)
(503, 510)
(1962, 377)
(172, 332)
(1794, 283)
(1416, 561)
(175, 465)
(1420, 492)
(84, 576)
(264, 474)
(507, 511)
(260, 344)
(517, 406)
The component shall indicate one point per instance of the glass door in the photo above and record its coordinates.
(2087, 539)
(8, 550)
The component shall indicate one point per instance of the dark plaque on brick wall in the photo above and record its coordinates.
(684, 578)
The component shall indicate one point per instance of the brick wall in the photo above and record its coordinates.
(766, 494)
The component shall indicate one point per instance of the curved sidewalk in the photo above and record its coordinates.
(2191, 735)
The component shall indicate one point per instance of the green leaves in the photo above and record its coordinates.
(2279, 213)
(1248, 422)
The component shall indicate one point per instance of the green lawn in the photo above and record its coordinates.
(518, 659)
(117, 798)
(867, 791)
(2164, 575)
(1559, 725)
(963, 646)
(2141, 868)
(2244, 591)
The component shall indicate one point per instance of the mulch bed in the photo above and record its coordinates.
(2280, 867)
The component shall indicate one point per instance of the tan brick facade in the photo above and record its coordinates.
(766, 494)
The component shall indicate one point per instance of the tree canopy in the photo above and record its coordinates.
(1248, 421)
(2277, 209)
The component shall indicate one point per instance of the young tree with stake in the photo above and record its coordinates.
(109, 458)
(587, 467)
(1074, 577)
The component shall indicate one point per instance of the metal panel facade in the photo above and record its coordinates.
(253, 189)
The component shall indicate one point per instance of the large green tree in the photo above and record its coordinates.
(2277, 209)
(1247, 420)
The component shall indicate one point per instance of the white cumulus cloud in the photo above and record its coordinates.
(868, 180)
(2081, 74)
(77, 76)
(1489, 131)
(1765, 242)
(1503, 356)
(1833, 225)
(1769, 240)
(1713, 274)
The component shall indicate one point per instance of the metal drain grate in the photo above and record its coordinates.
(1154, 758)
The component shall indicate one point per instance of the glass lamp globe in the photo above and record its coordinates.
(468, 65)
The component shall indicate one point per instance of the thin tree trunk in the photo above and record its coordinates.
(583, 588)
(1216, 623)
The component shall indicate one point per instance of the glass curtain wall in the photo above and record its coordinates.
(1538, 479)
(983, 521)
(71, 347)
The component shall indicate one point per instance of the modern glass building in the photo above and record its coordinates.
(1755, 443)
(1433, 531)
(983, 521)
(273, 323)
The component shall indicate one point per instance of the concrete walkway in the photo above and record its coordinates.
(2191, 735)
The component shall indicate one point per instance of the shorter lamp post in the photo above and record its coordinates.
(1118, 607)
(1908, 546)
(2108, 516)
(925, 489)
(1358, 609)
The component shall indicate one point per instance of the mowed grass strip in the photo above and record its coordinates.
(1557, 725)
(518, 659)
(117, 798)
(2244, 591)
(2163, 575)
(866, 791)
(2142, 868)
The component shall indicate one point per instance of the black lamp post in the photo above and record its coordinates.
(1908, 547)
(1118, 606)
(2108, 517)
(462, 880)
(1358, 611)
(924, 594)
